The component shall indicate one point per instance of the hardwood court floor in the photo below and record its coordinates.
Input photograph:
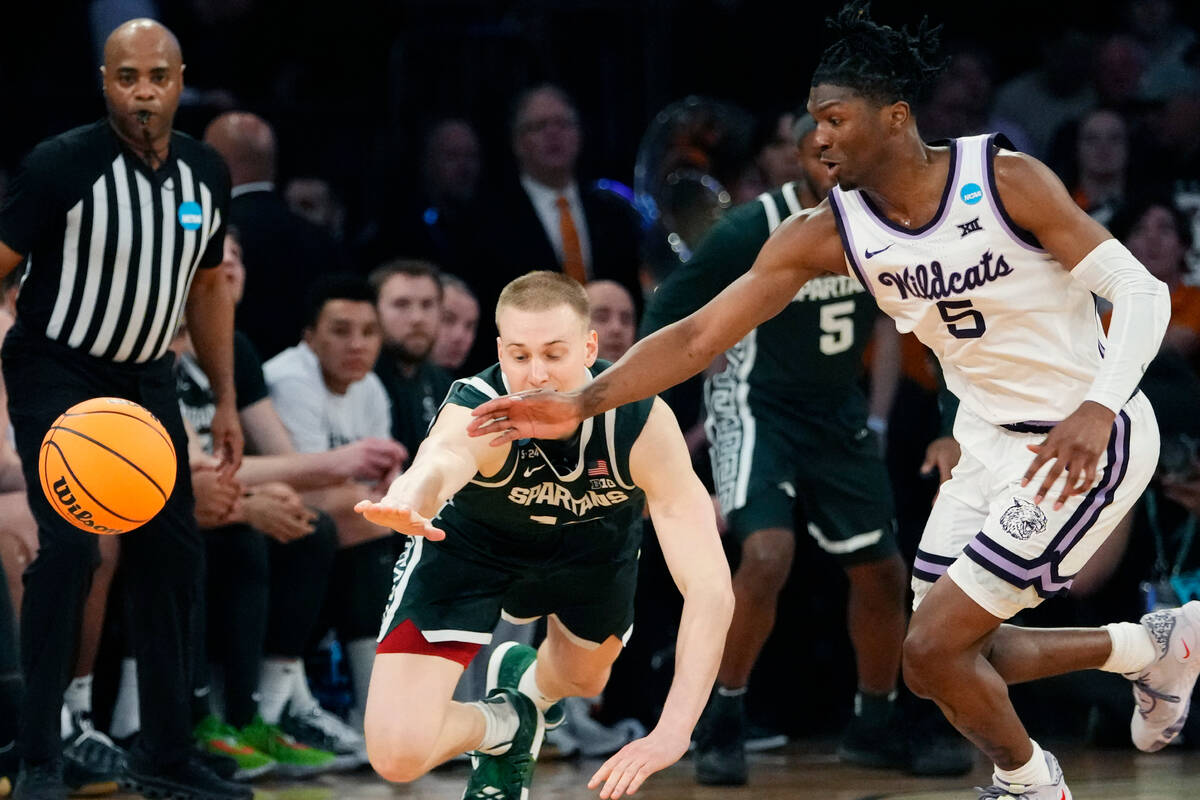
(803, 771)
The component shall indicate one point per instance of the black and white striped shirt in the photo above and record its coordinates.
(111, 245)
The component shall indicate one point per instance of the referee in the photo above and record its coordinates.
(119, 224)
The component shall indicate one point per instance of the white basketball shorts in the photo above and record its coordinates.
(1006, 553)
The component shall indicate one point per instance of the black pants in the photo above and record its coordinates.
(162, 560)
(263, 597)
(10, 674)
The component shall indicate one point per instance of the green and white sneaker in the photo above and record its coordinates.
(508, 664)
(293, 759)
(507, 776)
(212, 735)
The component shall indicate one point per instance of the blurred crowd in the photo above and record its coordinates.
(355, 317)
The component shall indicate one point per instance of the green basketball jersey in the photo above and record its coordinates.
(548, 486)
(810, 354)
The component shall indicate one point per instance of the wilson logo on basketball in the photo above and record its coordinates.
(66, 497)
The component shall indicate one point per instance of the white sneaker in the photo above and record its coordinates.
(1055, 790)
(1163, 691)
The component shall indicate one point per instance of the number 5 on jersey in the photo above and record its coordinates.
(955, 313)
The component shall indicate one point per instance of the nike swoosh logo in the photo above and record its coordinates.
(869, 254)
(1187, 651)
(532, 470)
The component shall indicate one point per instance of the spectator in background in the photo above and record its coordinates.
(316, 201)
(327, 396)
(286, 253)
(1165, 43)
(1157, 232)
(460, 321)
(441, 222)
(409, 300)
(271, 545)
(1119, 63)
(960, 100)
(1036, 103)
(546, 219)
(613, 317)
(1098, 171)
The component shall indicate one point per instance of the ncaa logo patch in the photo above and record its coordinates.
(190, 216)
(971, 193)
(1023, 520)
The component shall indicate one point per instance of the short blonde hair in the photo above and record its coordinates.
(543, 290)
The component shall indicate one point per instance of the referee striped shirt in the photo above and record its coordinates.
(111, 245)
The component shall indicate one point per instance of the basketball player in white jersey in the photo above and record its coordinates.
(982, 253)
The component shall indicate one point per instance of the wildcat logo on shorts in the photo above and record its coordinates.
(1023, 520)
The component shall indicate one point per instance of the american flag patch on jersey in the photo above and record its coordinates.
(598, 469)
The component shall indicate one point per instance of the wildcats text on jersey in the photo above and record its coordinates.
(931, 283)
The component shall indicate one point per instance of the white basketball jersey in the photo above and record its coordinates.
(1018, 338)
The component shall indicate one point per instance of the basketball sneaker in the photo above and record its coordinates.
(91, 764)
(318, 728)
(214, 736)
(875, 736)
(1163, 691)
(186, 780)
(40, 782)
(507, 665)
(506, 772)
(292, 758)
(1055, 790)
(720, 751)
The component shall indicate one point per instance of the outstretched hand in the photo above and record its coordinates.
(628, 769)
(536, 414)
(399, 517)
(1075, 444)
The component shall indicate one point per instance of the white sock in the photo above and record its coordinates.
(1132, 648)
(1035, 772)
(78, 696)
(276, 686)
(126, 721)
(500, 726)
(529, 687)
(360, 653)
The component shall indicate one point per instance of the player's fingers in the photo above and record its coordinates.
(1055, 470)
(600, 775)
(434, 534)
(627, 775)
(638, 779)
(504, 437)
(1043, 455)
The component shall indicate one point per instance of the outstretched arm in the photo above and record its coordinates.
(686, 527)
(446, 460)
(804, 247)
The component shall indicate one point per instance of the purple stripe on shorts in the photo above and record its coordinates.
(1042, 572)
(930, 566)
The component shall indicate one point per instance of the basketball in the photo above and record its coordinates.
(107, 465)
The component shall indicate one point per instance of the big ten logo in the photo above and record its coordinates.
(602, 483)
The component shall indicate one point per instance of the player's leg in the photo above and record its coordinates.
(956, 653)
(759, 513)
(411, 723)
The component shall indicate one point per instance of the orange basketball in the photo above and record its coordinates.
(107, 465)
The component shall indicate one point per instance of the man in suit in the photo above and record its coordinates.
(283, 252)
(547, 220)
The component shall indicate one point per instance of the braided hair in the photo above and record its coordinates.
(879, 62)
